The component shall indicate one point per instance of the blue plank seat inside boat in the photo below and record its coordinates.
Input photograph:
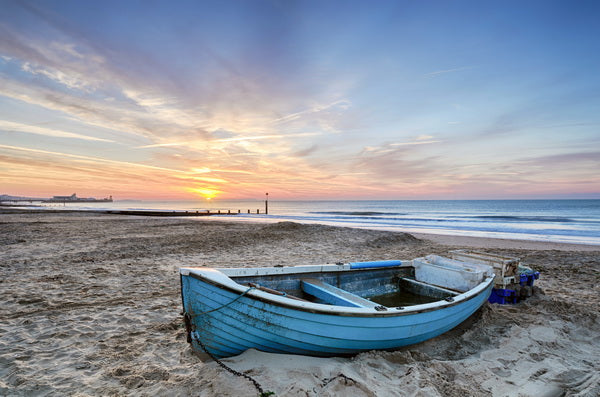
(327, 293)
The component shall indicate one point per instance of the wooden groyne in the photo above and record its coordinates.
(6, 208)
(172, 213)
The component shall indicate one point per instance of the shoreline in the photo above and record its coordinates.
(490, 243)
(92, 306)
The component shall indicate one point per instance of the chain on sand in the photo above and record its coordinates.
(261, 392)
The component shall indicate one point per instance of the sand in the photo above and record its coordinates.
(91, 306)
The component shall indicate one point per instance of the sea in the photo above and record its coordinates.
(568, 221)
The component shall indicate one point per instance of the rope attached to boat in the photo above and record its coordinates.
(225, 305)
(193, 335)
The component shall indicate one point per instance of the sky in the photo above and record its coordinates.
(302, 99)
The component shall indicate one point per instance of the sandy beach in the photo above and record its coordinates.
(91, 306)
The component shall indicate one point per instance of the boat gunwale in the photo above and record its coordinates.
(319, 308)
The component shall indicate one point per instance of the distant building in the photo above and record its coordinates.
(72, 197)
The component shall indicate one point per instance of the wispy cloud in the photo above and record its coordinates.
(398, 165)
(89, 158)
(445, 71)
(330, 117)
(340, 104)
(562, 159)
(202, 179)
(155, 145)
(394, 146)
(33, 129)
(261, 137)
(235, 171)
(305, 152)
(418, 142)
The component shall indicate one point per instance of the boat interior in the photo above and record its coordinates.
(378, 284)
(366, 288)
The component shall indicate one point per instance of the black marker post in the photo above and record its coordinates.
(267, 203)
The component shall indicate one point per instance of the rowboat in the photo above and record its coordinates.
(329, 310)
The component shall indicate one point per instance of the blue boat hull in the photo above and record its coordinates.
(224, 323)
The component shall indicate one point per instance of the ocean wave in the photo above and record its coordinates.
(482, 219)
(555, 219)
(355, 213)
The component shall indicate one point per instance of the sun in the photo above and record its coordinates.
(207, 193)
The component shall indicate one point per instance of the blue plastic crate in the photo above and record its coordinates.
(503, 296)
(528, 278)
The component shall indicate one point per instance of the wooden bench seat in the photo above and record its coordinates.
(334, 296)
